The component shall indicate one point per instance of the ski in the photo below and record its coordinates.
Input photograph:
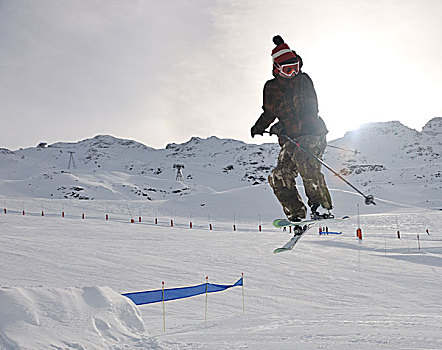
(299, 229)
(299, 232)
(284, 222)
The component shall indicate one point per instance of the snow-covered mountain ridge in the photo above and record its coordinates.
(387, 155)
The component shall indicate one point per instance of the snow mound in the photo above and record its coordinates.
(80, 318)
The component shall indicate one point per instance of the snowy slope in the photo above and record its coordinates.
(61, 279)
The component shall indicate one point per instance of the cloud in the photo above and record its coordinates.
(161, 72)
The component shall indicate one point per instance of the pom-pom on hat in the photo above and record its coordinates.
(282, 53)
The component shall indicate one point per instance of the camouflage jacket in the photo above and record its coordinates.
(294, 103)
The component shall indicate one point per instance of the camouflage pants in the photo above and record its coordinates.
(291, 161)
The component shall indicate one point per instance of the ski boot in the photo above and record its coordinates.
(315, 215)
(298, 230)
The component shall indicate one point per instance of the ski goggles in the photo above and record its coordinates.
(289, 69)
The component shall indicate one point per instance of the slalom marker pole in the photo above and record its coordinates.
(368, 199)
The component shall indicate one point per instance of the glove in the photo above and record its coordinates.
(256, 131)
(275, 130)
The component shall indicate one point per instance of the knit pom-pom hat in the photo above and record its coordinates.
(282, 54)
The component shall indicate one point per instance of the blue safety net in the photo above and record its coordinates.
(155, 296)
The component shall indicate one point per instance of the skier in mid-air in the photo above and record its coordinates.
(291, 97)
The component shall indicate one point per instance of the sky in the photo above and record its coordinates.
(164, 71)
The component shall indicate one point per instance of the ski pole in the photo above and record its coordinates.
(368, 199)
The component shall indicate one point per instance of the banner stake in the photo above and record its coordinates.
(243, 304)
(207, 285)
(164, 310)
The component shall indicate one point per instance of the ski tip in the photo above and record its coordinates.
(279, 250)
(277, 223)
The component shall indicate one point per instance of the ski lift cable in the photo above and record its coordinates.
(344, 149)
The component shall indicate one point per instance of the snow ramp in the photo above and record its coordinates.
(70, 318)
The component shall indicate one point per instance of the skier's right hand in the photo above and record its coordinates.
(275, 129)
(256, 131)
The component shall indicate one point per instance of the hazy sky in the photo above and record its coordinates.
(164, 71)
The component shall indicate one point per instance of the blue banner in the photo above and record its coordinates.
(156, 296)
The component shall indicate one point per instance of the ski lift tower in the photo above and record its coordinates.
(179, 172)
(71, 160)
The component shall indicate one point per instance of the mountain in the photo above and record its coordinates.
(391, 161)
(393, 158)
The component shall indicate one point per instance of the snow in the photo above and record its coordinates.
(74, 318)
(62, 277)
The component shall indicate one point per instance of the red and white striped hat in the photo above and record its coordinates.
(282, 52)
